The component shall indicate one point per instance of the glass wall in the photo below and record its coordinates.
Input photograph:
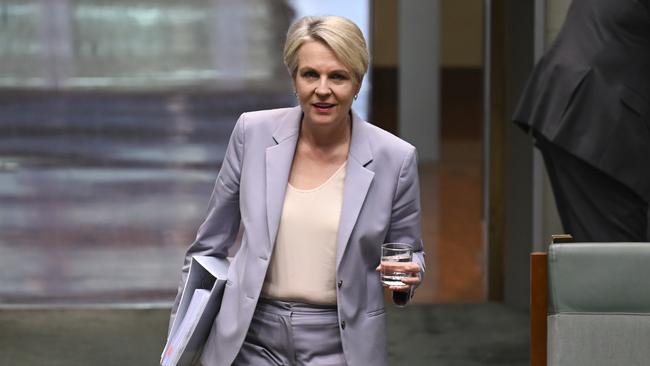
(114, 117)
(71, 44)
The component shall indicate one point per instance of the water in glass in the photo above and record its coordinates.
(395, 252)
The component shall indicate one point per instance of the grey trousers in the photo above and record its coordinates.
(291, 333)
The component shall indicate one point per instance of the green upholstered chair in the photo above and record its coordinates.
(598, 304)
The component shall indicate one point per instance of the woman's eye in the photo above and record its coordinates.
(310, 74)
(339, 77)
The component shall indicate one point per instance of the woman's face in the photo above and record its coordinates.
(325, 87)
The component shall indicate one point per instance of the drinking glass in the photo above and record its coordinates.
(395, 252)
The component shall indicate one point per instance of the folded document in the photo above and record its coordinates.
(197, 309)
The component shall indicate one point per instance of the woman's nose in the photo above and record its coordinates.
(323, 87)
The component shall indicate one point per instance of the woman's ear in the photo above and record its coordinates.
(294, 86)
(358, 88)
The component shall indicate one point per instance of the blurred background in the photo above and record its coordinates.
(115, 115)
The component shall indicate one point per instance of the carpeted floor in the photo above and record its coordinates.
(439, 335)
(458, 335)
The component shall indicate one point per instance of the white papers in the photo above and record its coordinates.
(178, 339)
(197, 309)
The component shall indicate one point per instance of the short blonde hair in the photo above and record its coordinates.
(341, 35)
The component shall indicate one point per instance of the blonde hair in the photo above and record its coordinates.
(341, 35)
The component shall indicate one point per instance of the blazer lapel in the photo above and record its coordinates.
(357, 182)
(278, 166)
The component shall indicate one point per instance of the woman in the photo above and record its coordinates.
(316, 190)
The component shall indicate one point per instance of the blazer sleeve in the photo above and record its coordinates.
(405, 226)
(219, 229)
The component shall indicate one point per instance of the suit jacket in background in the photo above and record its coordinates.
(590, 93)
(381, 203)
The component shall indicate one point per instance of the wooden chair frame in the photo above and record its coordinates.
(539, 303)
(538, 307)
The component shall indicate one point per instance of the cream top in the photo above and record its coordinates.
(303, 264)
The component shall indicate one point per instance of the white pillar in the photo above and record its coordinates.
(419, 82)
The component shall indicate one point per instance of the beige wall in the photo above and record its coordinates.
(385, 32)
(462, 33)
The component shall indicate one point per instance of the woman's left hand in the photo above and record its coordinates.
(412, 268)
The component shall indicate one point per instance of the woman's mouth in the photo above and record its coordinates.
(323, 107)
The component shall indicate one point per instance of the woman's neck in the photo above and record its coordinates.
(324, 145)
(326, 138)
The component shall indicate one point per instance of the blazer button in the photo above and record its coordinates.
(340, 284)
(342, 324)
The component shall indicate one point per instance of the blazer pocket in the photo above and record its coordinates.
(374, 313)
(572, 87)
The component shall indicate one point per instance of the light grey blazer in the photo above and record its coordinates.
(381, 203)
